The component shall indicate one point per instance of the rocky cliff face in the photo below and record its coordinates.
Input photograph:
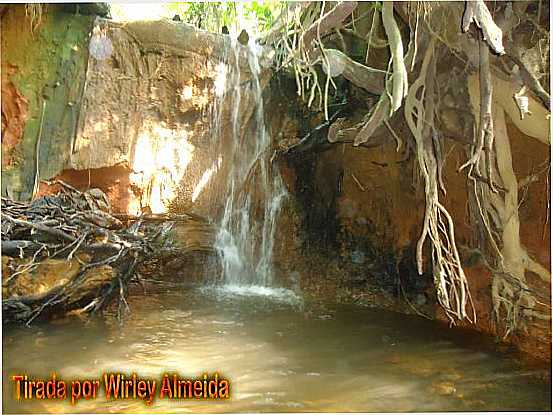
(43, 73)
(139, 125)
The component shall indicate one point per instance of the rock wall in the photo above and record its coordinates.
(138, 124)
(43, 67)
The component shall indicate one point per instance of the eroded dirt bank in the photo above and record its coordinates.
(139, 126)
(357, 215)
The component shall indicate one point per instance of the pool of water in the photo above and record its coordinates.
(279, 353)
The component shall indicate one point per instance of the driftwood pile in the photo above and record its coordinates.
(67, 252)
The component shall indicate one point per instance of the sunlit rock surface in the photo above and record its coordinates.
(139, 120)
(139, 126)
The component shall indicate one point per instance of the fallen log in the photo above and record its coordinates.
(20, 248)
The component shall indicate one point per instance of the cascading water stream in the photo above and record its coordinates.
(254, 190)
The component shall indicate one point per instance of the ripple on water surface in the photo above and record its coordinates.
(280, 354)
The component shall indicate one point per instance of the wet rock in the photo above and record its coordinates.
(295, 281)
(361, 221)
(243, 37)
(443, 388)
(358, 257)
(452, 375)
(420, 300)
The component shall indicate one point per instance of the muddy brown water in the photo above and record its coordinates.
(279, 353)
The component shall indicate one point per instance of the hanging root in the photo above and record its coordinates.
(485, 125)
(514, 303)
(494, 207)
(400, 83)
(477, 12)
(300, 47)
(449, 278)
(494, 199)
(397, 81)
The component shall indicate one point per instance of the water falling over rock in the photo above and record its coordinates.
(254, 191)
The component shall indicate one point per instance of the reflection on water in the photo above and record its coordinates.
(279, 355)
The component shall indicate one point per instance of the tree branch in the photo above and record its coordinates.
(365, 77)
(328, 22)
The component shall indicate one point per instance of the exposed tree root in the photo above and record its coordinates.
(495, 213)
(362, 76)
(327, 22)
(513, 301)
(477, 12)
(493, 195)
(485, 126)
(75, 232)
(449, 278)
(399, 76)
(397, 81)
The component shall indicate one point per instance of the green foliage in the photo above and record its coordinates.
(257, 15)
(205, 15)
(264, 12)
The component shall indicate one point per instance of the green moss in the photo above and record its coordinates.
(50, 67)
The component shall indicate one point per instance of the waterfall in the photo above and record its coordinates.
(254, 189)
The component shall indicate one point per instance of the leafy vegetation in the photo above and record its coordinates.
(256, 16)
